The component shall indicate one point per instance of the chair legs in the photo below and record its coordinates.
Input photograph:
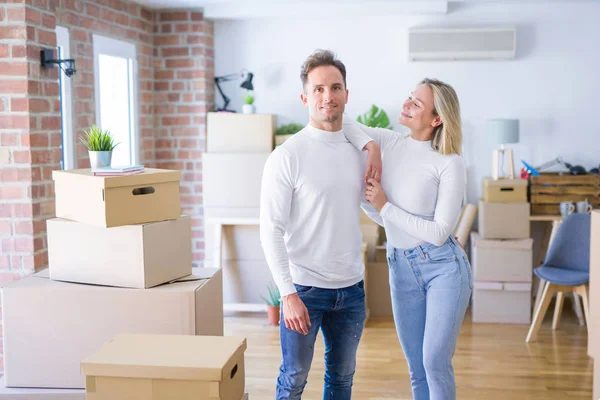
(583, 291)
(544, 303)
(560, 299)
(540, 312)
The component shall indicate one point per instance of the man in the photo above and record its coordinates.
(309, 227)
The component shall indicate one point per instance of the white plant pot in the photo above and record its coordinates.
(100, 159)
(248, 109)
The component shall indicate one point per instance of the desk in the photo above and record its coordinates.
(220, 222)
(547, 238)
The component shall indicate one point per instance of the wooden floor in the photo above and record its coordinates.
(491, 362)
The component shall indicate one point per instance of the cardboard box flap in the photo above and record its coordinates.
(517, 287)
(179, 357)
(504, 183)
(189, 283)
(148, 177)
(487, 285)
(513, 244)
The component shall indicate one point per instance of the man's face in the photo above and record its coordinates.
(325, 96)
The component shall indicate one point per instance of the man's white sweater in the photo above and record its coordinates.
(310, 210)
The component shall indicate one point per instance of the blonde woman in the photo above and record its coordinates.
(418, 202)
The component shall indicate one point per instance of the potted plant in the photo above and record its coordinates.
(100, 145)
(375, 118)
(248, 106)
(273, 304)
(285, 132)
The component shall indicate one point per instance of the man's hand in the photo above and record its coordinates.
(374, 166)
(295, 314)
(375, 195)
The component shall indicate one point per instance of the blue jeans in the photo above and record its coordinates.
(340, 314)
(430, 287)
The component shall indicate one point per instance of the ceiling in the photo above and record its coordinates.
(241, 9)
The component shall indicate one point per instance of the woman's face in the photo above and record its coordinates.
(417, 110)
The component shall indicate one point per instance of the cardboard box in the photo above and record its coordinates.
(381, 254)
(504, 220)
(507, 260)
(239, 133)
(46, 393)
(50, 326)
(136, 256)
(232, 180)
(150, 196)
(166, 367)
(39, 393)
(594, 292)
(504, 190)
(378, 293)
(239, 242)
(505, 303)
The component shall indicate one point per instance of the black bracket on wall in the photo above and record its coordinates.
(47, 59)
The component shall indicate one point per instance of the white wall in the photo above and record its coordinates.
(551, 87)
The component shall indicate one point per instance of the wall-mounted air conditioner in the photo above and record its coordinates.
(455, 44)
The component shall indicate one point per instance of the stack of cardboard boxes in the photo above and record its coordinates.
(237, 147)
(501, 254)
(119, 262)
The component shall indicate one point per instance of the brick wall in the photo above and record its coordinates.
(175, 58)
(30, 136)
(183, 93)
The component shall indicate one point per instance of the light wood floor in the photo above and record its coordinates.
(491, 361)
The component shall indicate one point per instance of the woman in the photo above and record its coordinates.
(418, 202)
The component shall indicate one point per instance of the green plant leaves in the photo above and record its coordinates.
(273, 295)
(375, 118)
(96, 139)
(289, 129)
(248, 99)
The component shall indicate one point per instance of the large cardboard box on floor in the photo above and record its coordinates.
(46, 393)
(498, 302)
(107, 201)
(136, 256)
(232, 179)
(378, 293)
(166, 367)
(594, 292)
(239, 133)
(508, 260)
(50, 326)
(504, 190)
(504, 220)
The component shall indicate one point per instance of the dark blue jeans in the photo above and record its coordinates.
(340, 314)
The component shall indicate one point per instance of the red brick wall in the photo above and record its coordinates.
(30, 136)
(176, 67)
(183, 93)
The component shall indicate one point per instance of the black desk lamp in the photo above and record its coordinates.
(246, 84)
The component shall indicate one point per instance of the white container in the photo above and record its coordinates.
(504, 303)
(508, 260)
(248, 109)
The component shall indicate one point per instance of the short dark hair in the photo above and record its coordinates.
(320, 58)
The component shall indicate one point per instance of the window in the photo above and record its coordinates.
(115, 71)
(68, 154)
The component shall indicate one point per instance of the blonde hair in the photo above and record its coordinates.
(447, 137)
